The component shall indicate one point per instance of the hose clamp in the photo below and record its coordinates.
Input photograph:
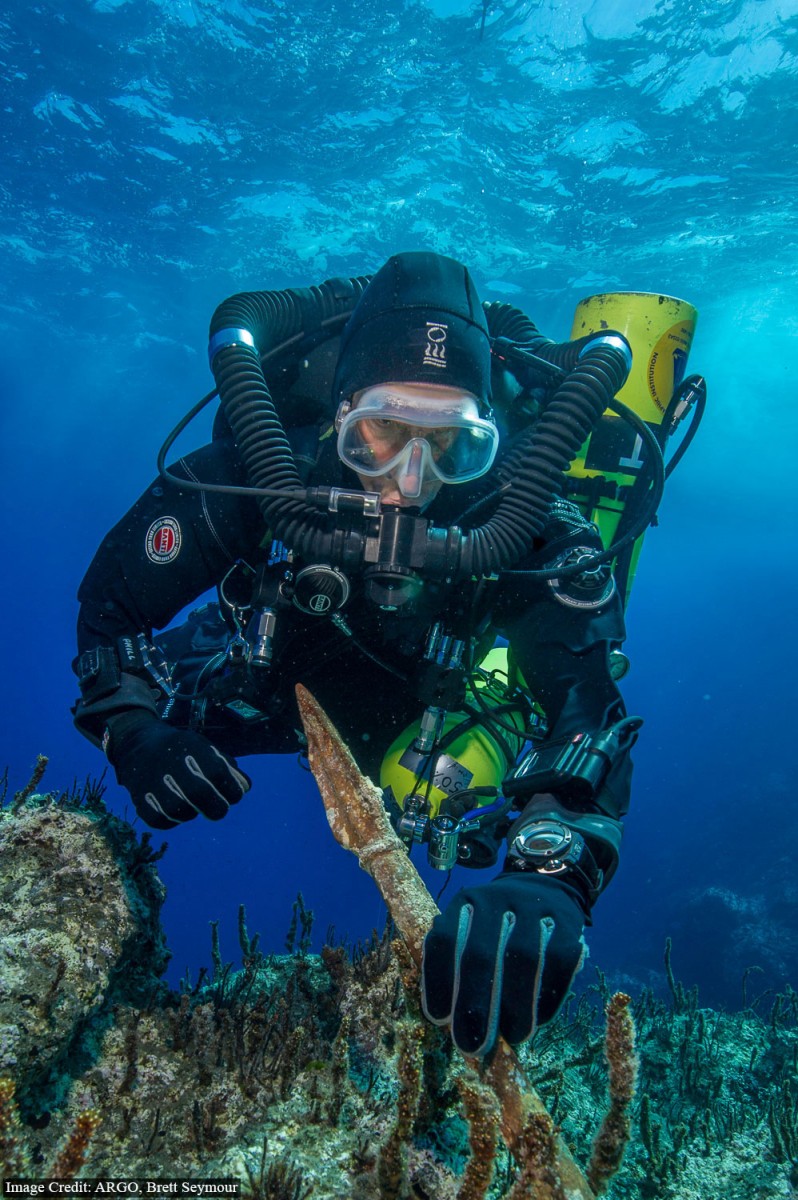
(229, 337)
(616, 341)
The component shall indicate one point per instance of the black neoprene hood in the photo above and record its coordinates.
(420, 320)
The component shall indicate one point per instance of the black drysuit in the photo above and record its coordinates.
(175, 544)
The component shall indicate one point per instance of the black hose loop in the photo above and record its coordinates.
(543, 457)
(256, 427)
(271, 318)
(505, 321)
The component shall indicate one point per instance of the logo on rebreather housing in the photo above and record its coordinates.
(319, 603)
(163, 540)
(435, 352)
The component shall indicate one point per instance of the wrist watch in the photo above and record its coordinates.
(550, 847)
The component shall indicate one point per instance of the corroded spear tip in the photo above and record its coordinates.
(358, 819)
(353, 804)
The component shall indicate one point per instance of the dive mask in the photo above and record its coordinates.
(416, 433)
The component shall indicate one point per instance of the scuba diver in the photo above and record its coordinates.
(384, 513)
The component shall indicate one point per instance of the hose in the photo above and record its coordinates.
(243, 327)
(538, 463)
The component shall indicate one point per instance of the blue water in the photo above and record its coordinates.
(157, 157)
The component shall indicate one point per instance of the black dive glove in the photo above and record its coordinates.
(172, 774)
(501, 958)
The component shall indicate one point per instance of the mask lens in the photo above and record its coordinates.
(376, 435)
(467, 454)
(384, 437)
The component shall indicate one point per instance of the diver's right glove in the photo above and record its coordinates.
(173, 775)
(501, 958)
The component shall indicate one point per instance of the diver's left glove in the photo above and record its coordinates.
(173, 775)
(502, 957)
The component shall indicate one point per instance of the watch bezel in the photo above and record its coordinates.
(572, 856)
(555, 852)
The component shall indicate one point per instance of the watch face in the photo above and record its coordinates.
(551, 848)
(544, 842)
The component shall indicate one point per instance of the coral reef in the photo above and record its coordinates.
(14, 1156)
(714, 1092)
(307, 1075)
(15, 1159)
(79, 928)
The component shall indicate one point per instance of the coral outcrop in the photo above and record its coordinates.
(79, 927)
(306, 1076)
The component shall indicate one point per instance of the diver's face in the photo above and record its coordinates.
(405, 440)
(385, 439)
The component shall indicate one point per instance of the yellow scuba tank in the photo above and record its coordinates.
(477, 757)
(660, 331)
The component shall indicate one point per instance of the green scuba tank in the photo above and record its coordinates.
(470, 751)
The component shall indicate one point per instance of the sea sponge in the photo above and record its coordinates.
(73, 916)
